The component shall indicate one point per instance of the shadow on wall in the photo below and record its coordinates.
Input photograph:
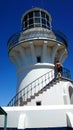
(71, 94)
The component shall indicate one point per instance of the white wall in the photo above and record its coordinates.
(58, 94)
(36, 116)
(31, 73)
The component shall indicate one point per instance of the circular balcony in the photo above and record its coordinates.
(61, 37)
(36, 33)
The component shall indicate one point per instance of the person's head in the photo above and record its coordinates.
(56, 61)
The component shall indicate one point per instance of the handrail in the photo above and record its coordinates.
(35, 86)
(61, 37)
(66, 73)
(32, 88)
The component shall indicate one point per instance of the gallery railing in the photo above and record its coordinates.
(21, 36)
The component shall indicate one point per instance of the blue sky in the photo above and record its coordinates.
(11, 12)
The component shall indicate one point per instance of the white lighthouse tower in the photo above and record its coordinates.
(42, 101)
(34, 51)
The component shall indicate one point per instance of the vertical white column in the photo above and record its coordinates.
(54, 50)
(16, 58)
(22, 54)
(63, 55)
(32, 52)
(44, 54)
(13, 60)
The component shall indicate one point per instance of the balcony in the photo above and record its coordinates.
(36, 33)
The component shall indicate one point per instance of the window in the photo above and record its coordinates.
(37, 25)
(38, 59)
(43, 21)
(37, 13)
(30, 21)
(25, 24)
(47, 17)
(37, 20)
(30, 14)
(43, 14)
(25, 18)
(31, 26)
(38, 103)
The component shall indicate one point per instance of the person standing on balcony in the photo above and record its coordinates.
(58, 69)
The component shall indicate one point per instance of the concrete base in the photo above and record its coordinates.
(38, 116)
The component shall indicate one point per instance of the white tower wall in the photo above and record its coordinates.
(26, 55)
(34, 51)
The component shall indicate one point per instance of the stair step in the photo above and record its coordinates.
(23, 103)
(44, 89)
(32, 97)
(36, 94)
(28, 99)
(51, 84)
(54, 82)
(40, 91)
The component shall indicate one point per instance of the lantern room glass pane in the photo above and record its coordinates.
(47, 17)
(37, 25)
(25, 24)
(37, 20)
(30, 14)
(42, 14)
(30, 21)
(25, 18)
(43, 21)
(37, 13)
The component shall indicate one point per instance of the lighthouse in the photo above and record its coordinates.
(33, 51)
(42, 100)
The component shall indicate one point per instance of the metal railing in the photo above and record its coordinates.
(61, 37)
(15, 38)
(66, 73)
(31, 89)
(35, 86)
